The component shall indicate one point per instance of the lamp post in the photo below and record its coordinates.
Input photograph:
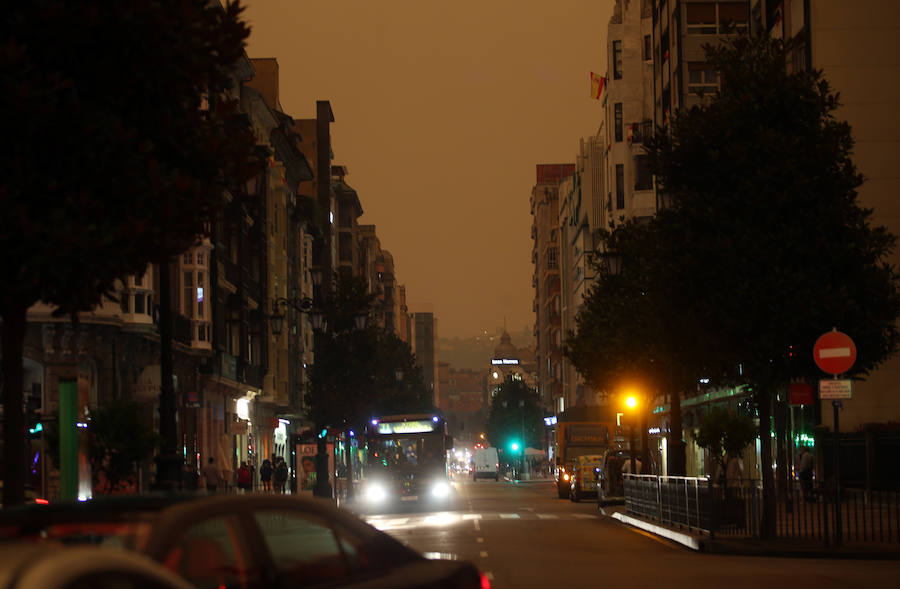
(631, 402)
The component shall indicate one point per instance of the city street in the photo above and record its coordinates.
(523, 536)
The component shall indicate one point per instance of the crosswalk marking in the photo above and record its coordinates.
(449, 519)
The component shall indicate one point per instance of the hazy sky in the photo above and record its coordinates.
(442, 110)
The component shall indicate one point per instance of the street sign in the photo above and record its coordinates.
(836, 389)
(834, 352)
(802, 394)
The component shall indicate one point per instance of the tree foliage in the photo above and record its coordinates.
(119, 142)
(515, 415)
(762, 245)
(722, 432)
(359, 373)
(119, 440)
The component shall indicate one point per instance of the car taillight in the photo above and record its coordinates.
(485, 582)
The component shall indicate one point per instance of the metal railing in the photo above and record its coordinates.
(735, 509)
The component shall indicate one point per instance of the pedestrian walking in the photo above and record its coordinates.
(210, 474)
(244, 480)
(265, 474)
(280, 475)
(805, 467)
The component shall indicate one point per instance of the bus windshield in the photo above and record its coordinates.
(412, 451)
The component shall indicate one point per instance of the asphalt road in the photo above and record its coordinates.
(521, 535)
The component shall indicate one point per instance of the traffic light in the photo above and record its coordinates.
(514, 446)
(33, 425)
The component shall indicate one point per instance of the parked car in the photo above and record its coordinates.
(46, 566)
(583, 479)
(610, 483)
(247, 541)
(487, 464)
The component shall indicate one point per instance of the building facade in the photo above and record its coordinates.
(545, 257)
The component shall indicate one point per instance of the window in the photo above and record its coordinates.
(199, 258)
(200, 294)
(701, 18)
(617, 60)
(149, 304)
(188, 287)
(648, 48)
(732, 17)
(702, 78)
(620, 186)
(617, 109)
(304, 549)
(123, 300)
(138, 279)
(187, 258)
(643, 180)
(552, 258)
(138, 303)
(206, 555)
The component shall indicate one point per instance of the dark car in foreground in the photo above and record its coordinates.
(248, 541)
(43, 566)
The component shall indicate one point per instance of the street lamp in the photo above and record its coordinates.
(612, 261)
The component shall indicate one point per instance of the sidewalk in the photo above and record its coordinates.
(751, 547)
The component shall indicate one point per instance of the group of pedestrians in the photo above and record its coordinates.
(273, 475)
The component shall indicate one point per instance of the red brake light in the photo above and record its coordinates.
(485, 582)
(40, 501)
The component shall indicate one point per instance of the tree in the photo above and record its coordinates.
(723, 432)
(768, 246)
(515, 415)
(359, 373)
(120, 140)
(119, 441)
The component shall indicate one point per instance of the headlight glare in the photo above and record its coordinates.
(375, 493)
(440, 489)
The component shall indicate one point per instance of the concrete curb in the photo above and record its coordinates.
(740, 547)
(684, 539)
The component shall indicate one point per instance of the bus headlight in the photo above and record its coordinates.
(440, 489)
(375, 493)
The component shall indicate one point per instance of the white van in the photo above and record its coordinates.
(487, 464)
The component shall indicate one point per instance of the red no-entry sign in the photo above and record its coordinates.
(834, 352)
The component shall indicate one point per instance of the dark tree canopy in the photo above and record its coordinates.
(515, 415)
(762, 245)
(120, 141)
(111, 158)
(359, 373)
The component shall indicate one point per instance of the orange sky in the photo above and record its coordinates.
(442, 110)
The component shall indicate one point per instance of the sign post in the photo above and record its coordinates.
(835, 353)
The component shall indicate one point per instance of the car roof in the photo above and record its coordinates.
(106, 508)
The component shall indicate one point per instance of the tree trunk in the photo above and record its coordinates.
(13, 342)
(676, 447)
(767, 524)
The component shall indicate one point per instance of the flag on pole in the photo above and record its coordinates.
(597, 83)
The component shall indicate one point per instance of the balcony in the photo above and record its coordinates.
(254, 374)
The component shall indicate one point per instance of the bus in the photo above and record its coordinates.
(407, 460)
(581, 431)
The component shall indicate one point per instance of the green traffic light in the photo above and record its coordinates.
(514, 446)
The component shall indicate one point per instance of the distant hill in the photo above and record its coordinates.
(474, 353)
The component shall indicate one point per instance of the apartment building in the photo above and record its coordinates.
(545, 257)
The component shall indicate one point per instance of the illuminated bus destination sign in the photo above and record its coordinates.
(406, 427)
(496, 361)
